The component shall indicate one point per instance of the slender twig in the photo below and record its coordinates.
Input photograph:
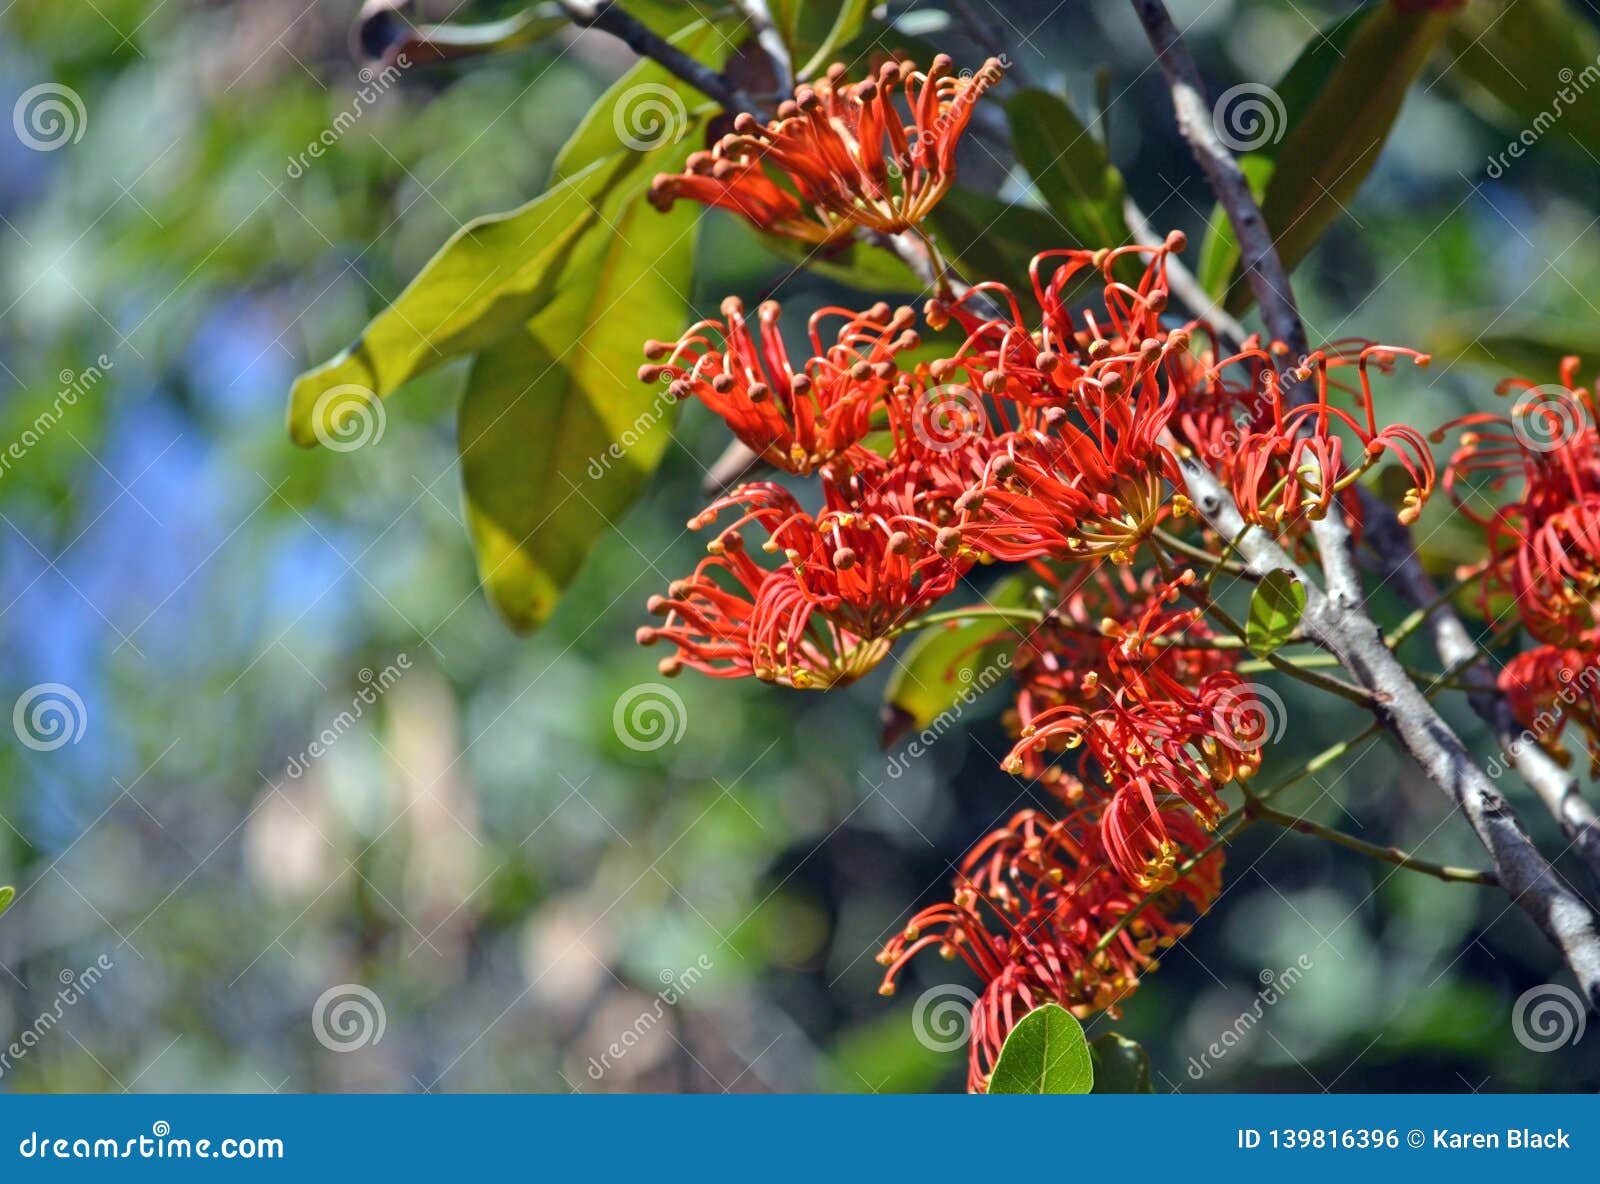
(1460, 875)
(608, 17)
(973, 613)
(1337, 619)
(1419, 616)
(1230, 826)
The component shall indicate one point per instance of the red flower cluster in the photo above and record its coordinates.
(1049, 437)
(1544, 546)
(1033, 904)
(840, 155)
(1285, 465)
(1154, 740)
(794, 420)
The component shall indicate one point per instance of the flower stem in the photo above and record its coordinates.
(976, 612)
(1460, 875)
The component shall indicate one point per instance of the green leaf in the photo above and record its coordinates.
(7, 895)
(386, 35)
(1338, 102)
(491, 276)
(552, 299)
(949, 665)
(557, 436)
(646, 106)
(498, 271)
(847, 22)
(1276, 607)
(865, 267)
(1510, 58)
(1528, 349)
(1121, 1066)
(1045, 1054)
(1070, 169)
(988, 239)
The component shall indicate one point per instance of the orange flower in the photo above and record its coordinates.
(794, 419)
(1551, 686)
(840, 155)
(1544, 546)
(1286, 466)
(1152, 755)
(1032, 902)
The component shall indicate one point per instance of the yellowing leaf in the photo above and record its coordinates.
(557, 434)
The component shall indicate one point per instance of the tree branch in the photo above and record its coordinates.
(759, 14)
(1458, 875)
(607, 17)
(1336, 619)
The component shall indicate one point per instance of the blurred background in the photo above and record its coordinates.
(330, 826)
